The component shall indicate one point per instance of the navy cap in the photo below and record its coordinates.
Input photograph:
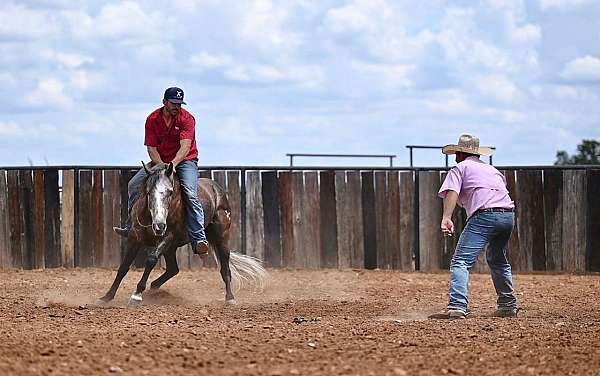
(174, 95)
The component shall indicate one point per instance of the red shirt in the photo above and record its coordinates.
(167, 140)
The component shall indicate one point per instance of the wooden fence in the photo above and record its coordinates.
(376, 218)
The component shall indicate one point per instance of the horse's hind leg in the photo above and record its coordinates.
(132, 251)
(172, 269)
(218, 236)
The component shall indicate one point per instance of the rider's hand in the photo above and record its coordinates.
(447, 227)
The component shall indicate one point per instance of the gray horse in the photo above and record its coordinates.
(158, 222)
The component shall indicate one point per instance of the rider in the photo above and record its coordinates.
(170, 136)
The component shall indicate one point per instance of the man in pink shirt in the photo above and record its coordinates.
(481, 190)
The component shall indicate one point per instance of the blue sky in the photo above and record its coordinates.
(265, 78)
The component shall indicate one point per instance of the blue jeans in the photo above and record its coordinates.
(491, 228)
(187, 171)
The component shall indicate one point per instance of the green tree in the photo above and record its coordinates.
(588, 153)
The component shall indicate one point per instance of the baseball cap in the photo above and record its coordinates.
(174, 95)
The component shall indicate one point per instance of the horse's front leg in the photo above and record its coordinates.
(151, 261)
(132, 250)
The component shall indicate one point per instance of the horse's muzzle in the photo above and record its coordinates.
(159, 229)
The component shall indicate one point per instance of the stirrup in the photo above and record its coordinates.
(123, 231)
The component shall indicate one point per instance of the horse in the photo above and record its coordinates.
(158, 224)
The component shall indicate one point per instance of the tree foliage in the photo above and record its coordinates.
(588, 153)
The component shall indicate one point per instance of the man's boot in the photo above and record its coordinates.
(200, 248)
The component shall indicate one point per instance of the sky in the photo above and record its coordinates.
(266, 78)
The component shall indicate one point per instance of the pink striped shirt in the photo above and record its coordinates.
(479, 186)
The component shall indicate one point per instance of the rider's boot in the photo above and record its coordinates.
(200, 247)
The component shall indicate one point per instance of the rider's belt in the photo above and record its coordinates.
(493, 210)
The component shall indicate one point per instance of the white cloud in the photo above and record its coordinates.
(561, 4)
(386, 75)
(448, 102)
(11, 130)
(263, 24)
(585, 68)
(68, 60)
(527, 34)
(205, 60)
(17, 21)
(498, 87)
(121, 22)
(49, 93)
(84, 80)
(358, 15)
(7, 79)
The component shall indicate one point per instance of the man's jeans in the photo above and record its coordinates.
(187, 171)
(491, 228)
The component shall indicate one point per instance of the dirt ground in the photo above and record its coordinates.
(303, 323)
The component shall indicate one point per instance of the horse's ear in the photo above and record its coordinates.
(170, 169)
(146, 168)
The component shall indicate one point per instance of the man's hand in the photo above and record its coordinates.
(447, 226)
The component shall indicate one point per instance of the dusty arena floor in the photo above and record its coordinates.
(304, 323)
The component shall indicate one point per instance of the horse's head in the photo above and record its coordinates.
(159, 187)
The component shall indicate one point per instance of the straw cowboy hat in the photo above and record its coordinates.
(468, 144)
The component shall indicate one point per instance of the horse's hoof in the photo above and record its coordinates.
(230, 302)
(103, 300)
(135, 300)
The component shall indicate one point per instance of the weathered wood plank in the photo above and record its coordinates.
(67, 223)
(300, 232)
(430, 214)
(125, 177)
(84, 253)
(38, 220)
(270, 199)
(381, 220)
(574, 232)
(357, 240)
(220, 176)
(312, 220)
(344, 224)
(15, 219)
(27, 239)
(460, 221)
(284, 186)
(111, 206)
(5, 261)
(449, 242)
(255, 234)
(328, 220)
(97, 218)
(553, 218)
(205, 174)
(514, 248)
(531, 220)
(593, 216)
(369, 219)
(234, 197)
(393, 219)
(184, 255)
(407, 222)
(52, 222)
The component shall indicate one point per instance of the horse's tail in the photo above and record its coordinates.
(246, 269)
